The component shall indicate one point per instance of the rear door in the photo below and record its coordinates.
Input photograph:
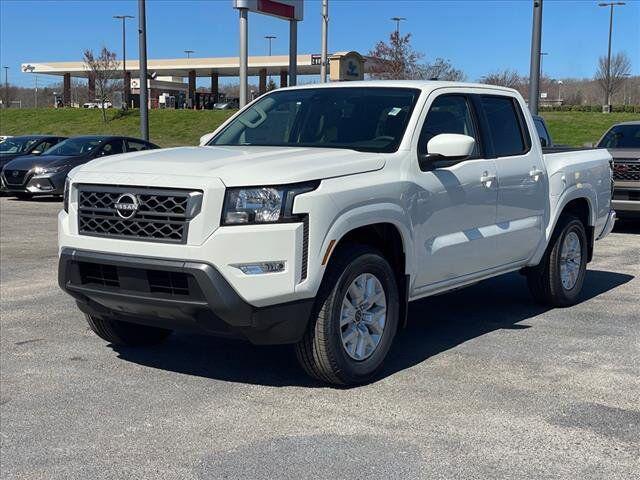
(522, 187)
(453, 209)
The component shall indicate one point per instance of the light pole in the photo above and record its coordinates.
(125, 89)
(560, 83)
(269, 39)
(325, 28)
(624, 94)
(534, 68)
(189, 52)
(144, 94)
(398, 20)
(542, 55)
(6, 86)
(610, 5)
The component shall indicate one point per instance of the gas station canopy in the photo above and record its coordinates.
(307, 64)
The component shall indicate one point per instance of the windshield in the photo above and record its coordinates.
(17, 144)
(359, 118)
(622, 136)
(74, 146)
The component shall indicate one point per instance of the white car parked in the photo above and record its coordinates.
(315, 214)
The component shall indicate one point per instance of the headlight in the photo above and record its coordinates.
(43, 170)
(65, 196)
(262, 204)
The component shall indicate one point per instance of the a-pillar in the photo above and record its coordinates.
(262, 84)
(127, 88)
(192, 88)
(283, 78)
(91, 86)
(66, 90)
(214, 86)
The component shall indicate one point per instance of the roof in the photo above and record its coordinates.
(630, 122)
(420, 84)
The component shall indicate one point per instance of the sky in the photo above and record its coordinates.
(477, 36)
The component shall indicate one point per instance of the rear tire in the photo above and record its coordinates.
(557, 280)
(118, 332)
(342, 346)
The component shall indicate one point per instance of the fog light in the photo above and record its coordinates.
(260, 268)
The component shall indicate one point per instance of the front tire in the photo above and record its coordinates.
(129, 334)
(355, 318)
(557, 280)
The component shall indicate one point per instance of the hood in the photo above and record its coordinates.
(28, 162)
(625, 153)
(243, 165)
(7, 157)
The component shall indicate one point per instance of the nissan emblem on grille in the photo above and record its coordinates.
(127, 205)
(15, 173)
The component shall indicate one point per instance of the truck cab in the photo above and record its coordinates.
(315, 214)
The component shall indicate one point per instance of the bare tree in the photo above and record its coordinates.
(612, 82)
(504, 78)
(397, 60)
(104, 69)
(440, 69)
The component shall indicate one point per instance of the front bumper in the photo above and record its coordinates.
(175, 294)
(46, 184)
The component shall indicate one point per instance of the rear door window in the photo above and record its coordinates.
(136, 146)
(505, 127)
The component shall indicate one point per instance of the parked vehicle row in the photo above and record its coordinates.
(39, 165)
(316, 214)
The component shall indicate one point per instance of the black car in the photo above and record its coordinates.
(14, 147)
(45, 174)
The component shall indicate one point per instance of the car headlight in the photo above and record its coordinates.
(65, 195)
(43, 170)
(254, 205)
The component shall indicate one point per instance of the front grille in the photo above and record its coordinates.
(15, 177)
(162, 215)
(626, 171)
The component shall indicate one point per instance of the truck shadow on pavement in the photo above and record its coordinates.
(435, 325)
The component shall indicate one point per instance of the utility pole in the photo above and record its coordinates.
(325, 31)
(607, 107)
(269, 39)
(244, 55)
(189, 52)
(398, 20)
(6, 86)
(142, 44)
(125, 87)
(35, 98)
(293, 52)
(534, 70)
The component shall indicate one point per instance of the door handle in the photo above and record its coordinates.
(536, 173)
(487, 179)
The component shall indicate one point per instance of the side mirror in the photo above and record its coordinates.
(543, 142)
(447, 149)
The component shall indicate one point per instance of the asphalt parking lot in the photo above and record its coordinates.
(482, 384)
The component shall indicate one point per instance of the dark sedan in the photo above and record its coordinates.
(45, 174)
(14, 147)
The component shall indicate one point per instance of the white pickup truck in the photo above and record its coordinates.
(315, 214)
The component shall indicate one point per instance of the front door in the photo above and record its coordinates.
(453, 208)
